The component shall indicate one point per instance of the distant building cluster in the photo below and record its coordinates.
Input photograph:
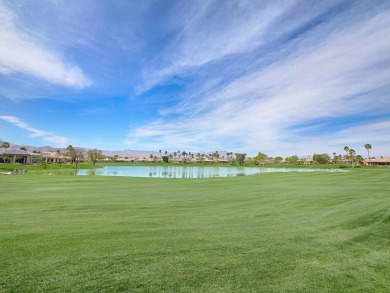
(15, 156)
(20, 155)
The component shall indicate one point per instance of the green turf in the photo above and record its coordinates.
(276, 232)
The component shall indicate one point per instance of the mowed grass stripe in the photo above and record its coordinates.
(317, 232)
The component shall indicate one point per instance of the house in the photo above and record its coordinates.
(141, 159)
(307, 161)
(222, 160)
(126, 159)
(377, 162)
(54, 157)
(18, 157)
(176, 160)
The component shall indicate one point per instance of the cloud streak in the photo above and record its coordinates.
(334, 74)
(22, 53)
(277, 76)
(59, 141)
(210, 31)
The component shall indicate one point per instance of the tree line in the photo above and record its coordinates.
(77, 155)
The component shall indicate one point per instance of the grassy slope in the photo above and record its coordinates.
(86, 165)
(268, 232)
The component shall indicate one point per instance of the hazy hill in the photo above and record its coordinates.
(119, 153)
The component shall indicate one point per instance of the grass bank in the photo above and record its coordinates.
(47, 167)
(274, 232)
(87, 165)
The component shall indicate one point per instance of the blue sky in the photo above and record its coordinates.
(280, 77)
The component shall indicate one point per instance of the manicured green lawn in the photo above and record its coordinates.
(276, 232)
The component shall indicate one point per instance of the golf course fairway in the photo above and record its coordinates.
(274, 232)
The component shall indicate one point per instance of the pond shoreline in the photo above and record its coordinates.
(188, 171)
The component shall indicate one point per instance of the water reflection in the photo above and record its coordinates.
(185, 172)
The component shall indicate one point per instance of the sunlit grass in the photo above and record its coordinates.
(315, 232)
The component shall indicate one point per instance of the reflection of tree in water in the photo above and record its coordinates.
(179, 171)
(153, 171)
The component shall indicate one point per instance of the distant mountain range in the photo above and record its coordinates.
(119, 153)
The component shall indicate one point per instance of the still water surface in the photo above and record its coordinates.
(186, 172)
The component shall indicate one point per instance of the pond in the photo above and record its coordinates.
(187, 172)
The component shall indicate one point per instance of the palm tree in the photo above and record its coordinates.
(5, 145)
(346, 149)
(368, 147)
(228, 154)
(184, 154)
(352, 153)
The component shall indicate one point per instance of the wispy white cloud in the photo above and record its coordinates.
(20, 52)
(373, 132)
(214, 32)
(376, 133)
(209, 31)
(59, 141)
(271, 76)
(335, 74)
